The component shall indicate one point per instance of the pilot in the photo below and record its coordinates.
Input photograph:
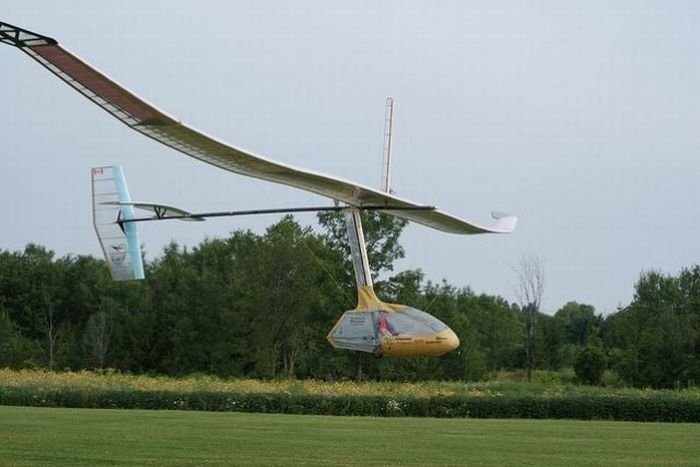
(384, 326)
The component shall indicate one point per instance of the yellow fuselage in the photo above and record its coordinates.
(412, 346)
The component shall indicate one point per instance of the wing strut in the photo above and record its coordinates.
(162, 215)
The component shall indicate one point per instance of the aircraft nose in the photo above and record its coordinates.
(452, 341)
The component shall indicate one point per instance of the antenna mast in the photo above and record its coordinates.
(386, 162)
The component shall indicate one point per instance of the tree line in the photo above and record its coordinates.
(260, 305)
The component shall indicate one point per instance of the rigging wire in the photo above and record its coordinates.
(325, 269)
(431, 303)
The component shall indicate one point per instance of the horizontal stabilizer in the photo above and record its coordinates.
(110, 209)
(160, 211)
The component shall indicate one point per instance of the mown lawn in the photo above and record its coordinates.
(48, 436)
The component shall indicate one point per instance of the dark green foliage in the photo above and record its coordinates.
(381, 232)
(655, 340)
(261, 305)
(254, 305)
(576, 321)
(590, 363)
(16, 351)
(569, 332)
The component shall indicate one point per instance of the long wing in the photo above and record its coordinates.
(143, 117)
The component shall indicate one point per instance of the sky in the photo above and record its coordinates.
(579, 117)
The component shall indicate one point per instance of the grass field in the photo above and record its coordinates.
(47, 436)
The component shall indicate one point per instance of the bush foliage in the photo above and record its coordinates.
(653, 408)
(429, 399)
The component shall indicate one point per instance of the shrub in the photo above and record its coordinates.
(656, 407)
(427, 399)
(590, 364)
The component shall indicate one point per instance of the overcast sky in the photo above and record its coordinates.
(579, 117)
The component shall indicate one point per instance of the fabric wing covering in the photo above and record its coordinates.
(143, 117)
(119, 240)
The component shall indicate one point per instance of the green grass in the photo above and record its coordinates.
(47, 436)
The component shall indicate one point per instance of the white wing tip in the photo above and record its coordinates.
(504, 223)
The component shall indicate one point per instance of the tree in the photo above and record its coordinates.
(553, 349)
(279, 280)
(97, 337)
(530, 289)
(495, 325)
(16, 351)
(45, 281)
(381, 232)
(655, 339)
(52, 332)
(590, 362)
(288, 277)
(574, 322)
(577, 321)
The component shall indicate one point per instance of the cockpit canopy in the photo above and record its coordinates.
(364, 330)
(413, 322)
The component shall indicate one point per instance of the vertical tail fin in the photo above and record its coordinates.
(119, 240)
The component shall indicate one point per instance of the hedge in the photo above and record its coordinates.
(647, 408)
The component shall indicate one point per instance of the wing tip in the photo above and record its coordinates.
(505, 223)
(20, 37)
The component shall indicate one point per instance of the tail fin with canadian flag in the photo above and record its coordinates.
(110, 209)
